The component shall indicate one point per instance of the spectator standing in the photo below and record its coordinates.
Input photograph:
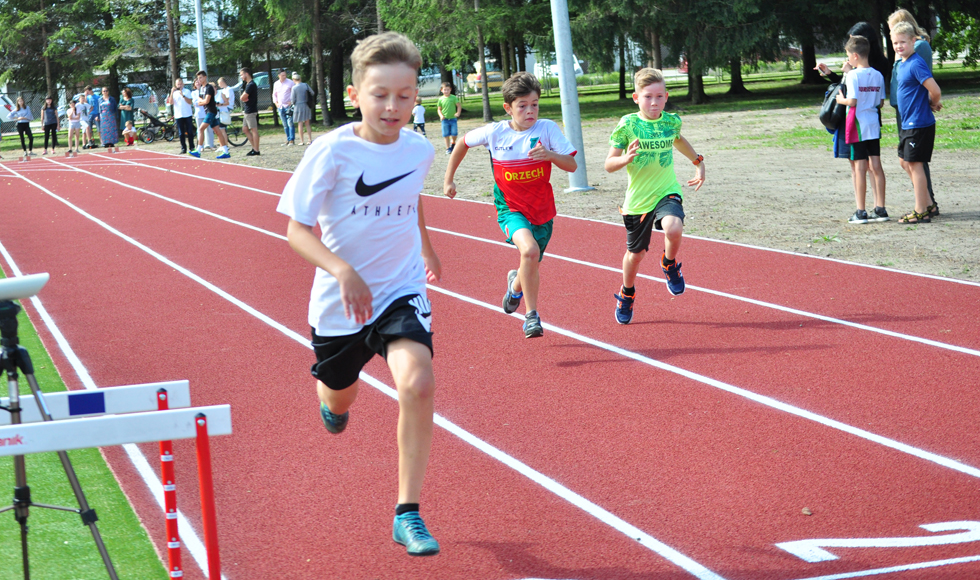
(51, 124)
(226, 100)
(199, 114)
(250, 107)
(93, 117)
(108, 116)
(84, 109)
(300, 96)
(418, 115)
(180, 98)
(127, 107)
(22, 114)
(74, 126)
(282, 98)
(922, 48)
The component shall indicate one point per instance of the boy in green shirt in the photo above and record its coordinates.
(449, 111)
(643, 142)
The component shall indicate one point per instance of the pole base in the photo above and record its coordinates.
(578, 189)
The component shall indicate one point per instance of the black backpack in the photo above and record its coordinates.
(831, 112)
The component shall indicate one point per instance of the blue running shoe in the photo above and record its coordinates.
(511, 301)
(334, 423)
(409, 531)
(675, 280)
(624, 308)
(195, 153)
(532, 325)
(224, 155)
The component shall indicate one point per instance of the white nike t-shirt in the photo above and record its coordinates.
(365, 198)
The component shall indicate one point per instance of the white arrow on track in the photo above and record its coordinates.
(813, 550)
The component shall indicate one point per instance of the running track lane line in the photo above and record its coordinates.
(803, 313)
(745, 393)
(787, 309)
(903, 568)
(767, 401)
(188, 536)
(668, 553)
(131, 163)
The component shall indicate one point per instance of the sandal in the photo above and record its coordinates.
(933, 210)
(915, 218)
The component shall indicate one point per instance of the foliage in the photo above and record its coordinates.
(960, 34)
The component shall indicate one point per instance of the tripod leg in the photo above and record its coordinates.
(88, 514)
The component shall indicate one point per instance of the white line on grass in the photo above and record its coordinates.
(174, 171)
(893, 334)
(596, 511)
(188, 536)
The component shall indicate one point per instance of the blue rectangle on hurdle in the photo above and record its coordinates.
(86, 403)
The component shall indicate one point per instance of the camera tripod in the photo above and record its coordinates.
(14, 358)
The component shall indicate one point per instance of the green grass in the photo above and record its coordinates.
(61, 548)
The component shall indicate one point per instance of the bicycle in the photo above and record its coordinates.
(236, 133)
(154, 128)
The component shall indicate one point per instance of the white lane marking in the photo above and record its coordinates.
(767, 401)
(774, 403)
(174, 171)
(175, 202)
(188, 535)
(813, 550)
(189, 158)
(604, 516)
(895, 569)
(787, 309)
(750, 246)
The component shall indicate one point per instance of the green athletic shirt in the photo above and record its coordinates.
(448, 106)
(651, 173)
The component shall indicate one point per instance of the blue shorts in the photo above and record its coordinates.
(449, 127)
(211, 120)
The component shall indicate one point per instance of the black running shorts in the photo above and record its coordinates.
(865, 149)
(640, 227)
(915, 145)
(339, 359)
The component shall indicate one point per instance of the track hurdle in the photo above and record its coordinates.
(81, 421)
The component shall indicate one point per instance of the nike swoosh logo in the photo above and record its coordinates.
(364, 190)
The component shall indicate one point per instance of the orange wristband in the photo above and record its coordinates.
(699, 159)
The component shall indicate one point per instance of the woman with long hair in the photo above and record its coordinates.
(23, 116)
(51, 124)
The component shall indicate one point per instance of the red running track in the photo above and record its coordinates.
(709, 463)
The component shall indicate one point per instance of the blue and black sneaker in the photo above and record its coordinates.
(195, 153)
(624, 307)
(511, 300)
(334, 423)
(675, 280)
(409, 530)
(532, 325)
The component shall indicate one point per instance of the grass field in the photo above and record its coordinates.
(57, 538)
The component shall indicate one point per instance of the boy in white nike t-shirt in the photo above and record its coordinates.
(361, 184)
(862, 128)
(522, 151)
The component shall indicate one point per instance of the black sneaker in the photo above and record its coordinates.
(859, 217)
(878, 214)
(183, 151)
(532, 325)
(511, 302)
(250, 153)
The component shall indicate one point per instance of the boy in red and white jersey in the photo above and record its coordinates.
(522, 151)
